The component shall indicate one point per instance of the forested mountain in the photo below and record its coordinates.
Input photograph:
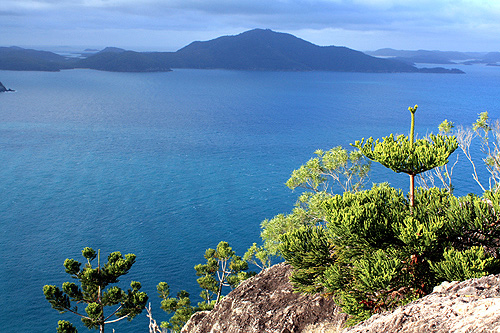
(268, 50)
(256, 49)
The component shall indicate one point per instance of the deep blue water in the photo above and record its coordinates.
(165, 165)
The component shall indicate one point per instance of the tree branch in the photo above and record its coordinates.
(111, 315)
(115, 320)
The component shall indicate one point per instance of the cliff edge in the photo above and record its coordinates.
(267, 303)
(468, 306)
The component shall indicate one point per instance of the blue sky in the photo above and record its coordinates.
(167, 25)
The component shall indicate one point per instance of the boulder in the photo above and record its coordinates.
(267, 303)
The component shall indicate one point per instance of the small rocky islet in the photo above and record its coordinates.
(3, 89)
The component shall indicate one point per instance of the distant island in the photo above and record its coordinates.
(254, 50)
(439, 57)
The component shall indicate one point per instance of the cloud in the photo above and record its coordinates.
(351, 14)
(362, 18)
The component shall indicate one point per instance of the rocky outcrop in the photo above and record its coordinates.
(3, 89)
(469, 306)
(267, 303)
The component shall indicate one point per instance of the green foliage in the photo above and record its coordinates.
(482, 123)
(446, 127)
(92, 291)
(222, 268)
(365, 218)
(308, 250)
(180, 306)
(335, 166)
(374, 250)
(64, 326)
(399, 155)
(258, 256)
(371, 283)
(404, 154)
(489, 133)
(475, 221)
(308, 212)
(463, 265)
(377, 253)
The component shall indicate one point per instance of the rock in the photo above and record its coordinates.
(3, 89)
(468, 306)
(267, 303)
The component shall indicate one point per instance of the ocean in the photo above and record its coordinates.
(166, 165)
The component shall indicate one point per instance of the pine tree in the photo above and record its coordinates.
(309, 251)
(92, 291)
(336, 166)
(180, 306)
(258, 256)
(223, 268)
(407, 155)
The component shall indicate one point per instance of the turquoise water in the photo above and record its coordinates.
(165, 165)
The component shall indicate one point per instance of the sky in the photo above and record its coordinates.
(167, 25)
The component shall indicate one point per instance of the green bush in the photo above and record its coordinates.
(308, 250)
(376, 252)
(377, 249)
(463, 265)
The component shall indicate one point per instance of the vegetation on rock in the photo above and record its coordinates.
(376, 249)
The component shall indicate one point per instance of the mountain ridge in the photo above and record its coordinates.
(264, 49)
(257, 49)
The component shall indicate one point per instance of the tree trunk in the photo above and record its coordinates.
(219, 292)
(412, 191)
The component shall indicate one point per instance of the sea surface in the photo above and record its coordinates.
(166, 165)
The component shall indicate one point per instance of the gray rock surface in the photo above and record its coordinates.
(266, 303)
(469, 306)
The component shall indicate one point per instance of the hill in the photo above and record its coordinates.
(119, 60)
(256, 49)
(260, 49)
(267, 50)
(16, 58)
